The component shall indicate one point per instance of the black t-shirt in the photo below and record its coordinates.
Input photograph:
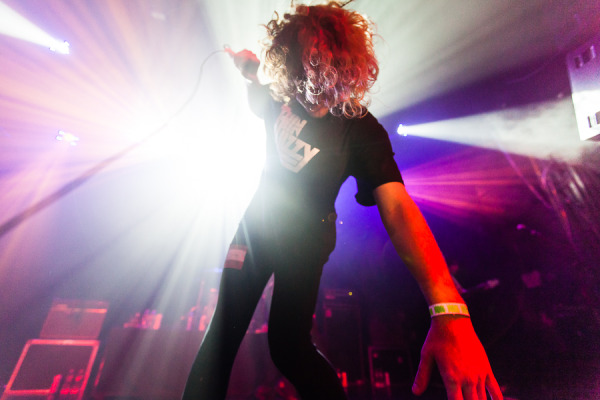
(308, 159)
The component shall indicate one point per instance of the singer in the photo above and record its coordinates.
(319, 132)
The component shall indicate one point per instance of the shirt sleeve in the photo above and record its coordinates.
(372, 160)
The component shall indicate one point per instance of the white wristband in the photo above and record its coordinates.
(448, 308)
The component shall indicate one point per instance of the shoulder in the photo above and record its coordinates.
(367, 128)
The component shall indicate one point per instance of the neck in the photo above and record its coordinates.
(319, 112)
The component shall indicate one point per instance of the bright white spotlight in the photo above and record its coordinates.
(402, 130)
(67, 138)
(15, 25)
(539, 130)
(60, 47)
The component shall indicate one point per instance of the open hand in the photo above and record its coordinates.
(453, 345)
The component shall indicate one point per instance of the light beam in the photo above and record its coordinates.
(541, 130)
(15, 25)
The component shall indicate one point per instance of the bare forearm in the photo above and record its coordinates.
(415, 243)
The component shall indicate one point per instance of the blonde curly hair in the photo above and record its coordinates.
(323, 53)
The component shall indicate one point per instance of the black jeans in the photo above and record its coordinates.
(296, 260)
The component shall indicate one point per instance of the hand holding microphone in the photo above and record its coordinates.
(246, 61)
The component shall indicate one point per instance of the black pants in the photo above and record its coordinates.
(296, 261)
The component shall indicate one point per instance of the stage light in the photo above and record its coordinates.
(60, 47)
(67, 138)
(17, 26)
(538, 130)
(402, 130)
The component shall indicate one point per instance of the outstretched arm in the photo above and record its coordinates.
(451, 342)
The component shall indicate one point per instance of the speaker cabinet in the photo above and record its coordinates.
(146, 364)
(74, 319)
(343, 337)
(52, 369)
(154, 365)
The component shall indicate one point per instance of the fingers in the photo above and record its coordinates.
(455, 391)
(246, 61)
(493, 387)
(472, 391)
(468, 391)
(240, 57)
(423, 374)
(461, 360)
(481, 390)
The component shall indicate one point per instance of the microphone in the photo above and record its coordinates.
(245, 61)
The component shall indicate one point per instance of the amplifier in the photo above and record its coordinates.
(343, 339)
(154, 365)
(146, 364)
(52, 369)
(74, 319)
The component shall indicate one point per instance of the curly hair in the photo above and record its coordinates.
(323, 53)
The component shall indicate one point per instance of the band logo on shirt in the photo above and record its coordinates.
(294, 153)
